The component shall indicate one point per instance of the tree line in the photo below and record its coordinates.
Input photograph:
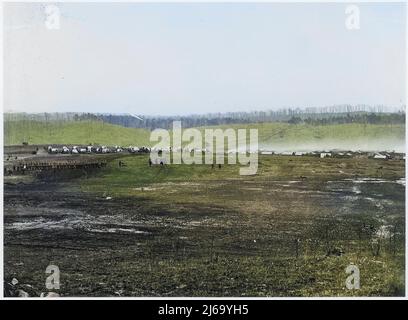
(338, 114)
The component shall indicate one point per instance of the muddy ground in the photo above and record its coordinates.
(292, 236)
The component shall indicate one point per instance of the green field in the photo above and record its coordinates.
(241, 230)
(352, 136)
(72, 132)
(271, 135)
(193, 230)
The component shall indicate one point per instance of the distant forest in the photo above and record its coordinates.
(313, 116)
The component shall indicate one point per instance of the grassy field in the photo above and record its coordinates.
(303, 137)
(271, 135)
(72, 132)
(120, 181)
(190, 230)
(247, 227)
(194, 230)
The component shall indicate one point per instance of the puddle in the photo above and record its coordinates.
(401, 181)
(117, 230)
(253, 189)
(144, 189)
(41, 211)
(42, 223)
(100, 224)
(356, 190)
(376, 180)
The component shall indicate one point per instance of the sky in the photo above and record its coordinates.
(185, 58)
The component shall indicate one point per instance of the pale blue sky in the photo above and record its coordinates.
(199, 58)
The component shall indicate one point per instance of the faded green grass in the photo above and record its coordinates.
(72, 132)
(220, 257)
(122, 181)
(231, 276)
(271, 135)
(290, 132)
(216, 233)
(351, 136)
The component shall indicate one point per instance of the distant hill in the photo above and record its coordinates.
(306, 137)
(71, 132)
(272, 135)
